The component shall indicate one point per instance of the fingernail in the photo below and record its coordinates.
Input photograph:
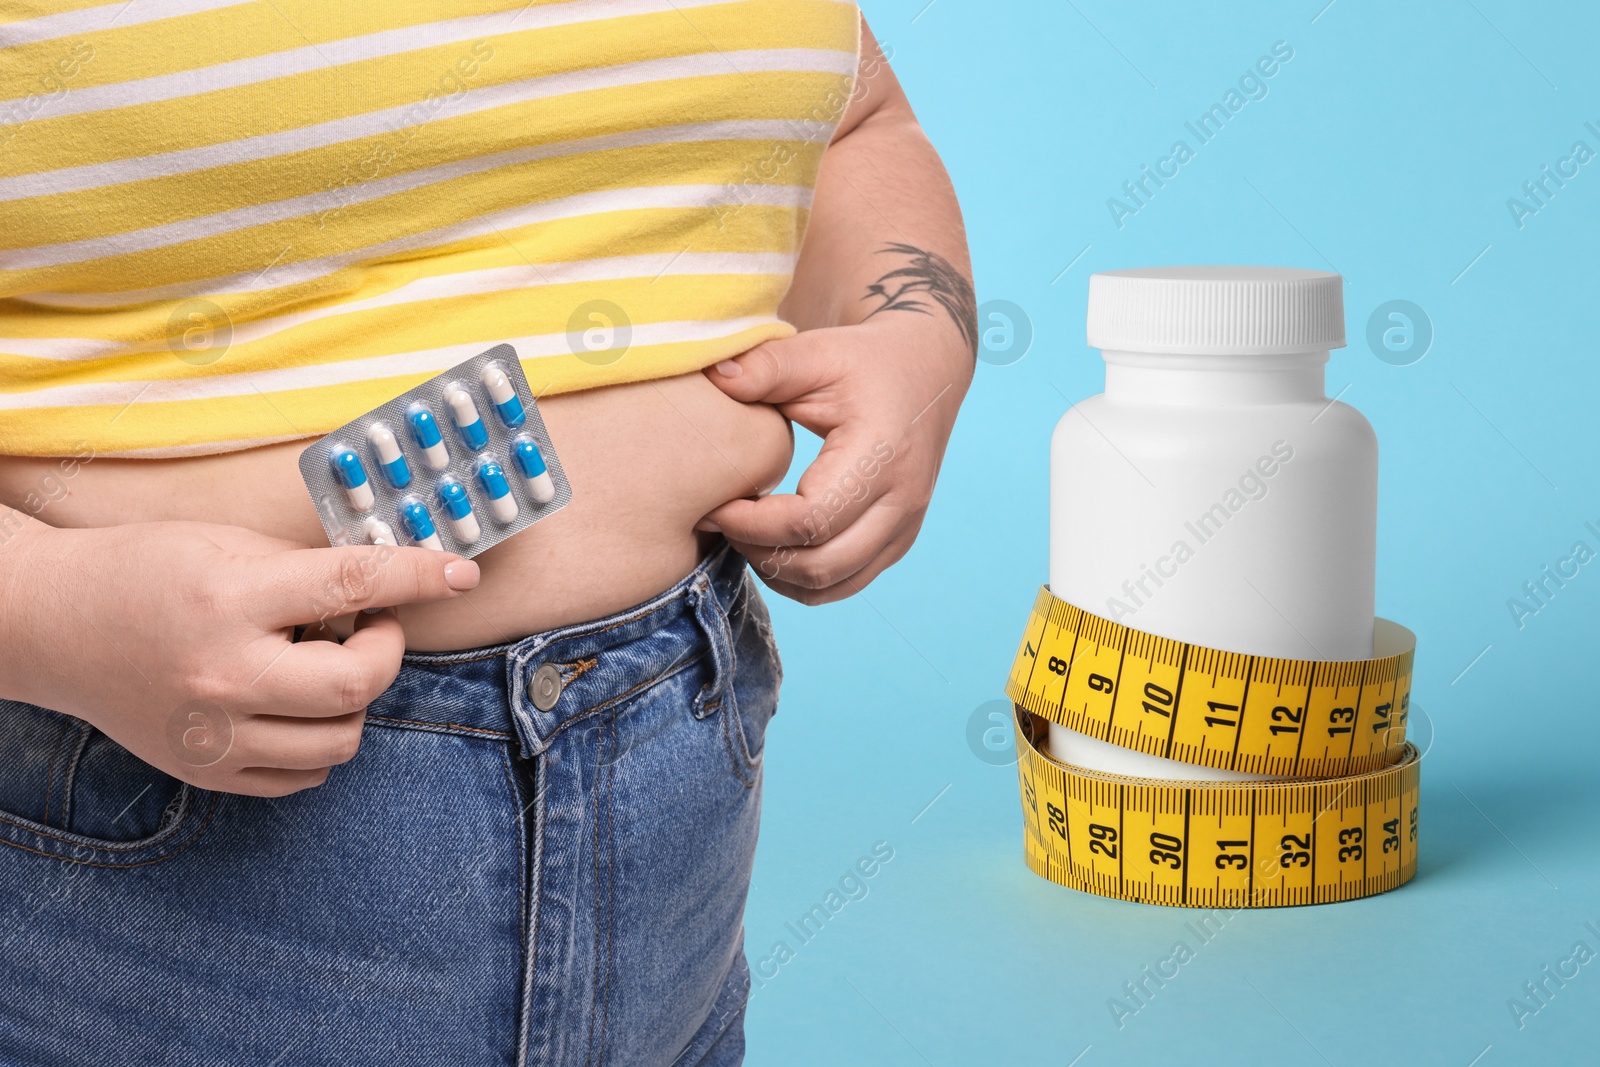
(708, 526)
(461, 574)
(729, 369)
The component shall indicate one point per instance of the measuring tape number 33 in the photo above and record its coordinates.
(1338, 822)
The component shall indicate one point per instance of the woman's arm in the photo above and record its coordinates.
(883, 203)
(882, 295)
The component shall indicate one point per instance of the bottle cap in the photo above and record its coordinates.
(1243, 311)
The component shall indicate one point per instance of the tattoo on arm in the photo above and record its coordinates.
(926, 280)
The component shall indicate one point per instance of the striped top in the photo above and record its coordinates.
(225, 223)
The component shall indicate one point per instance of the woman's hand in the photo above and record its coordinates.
(883, 396)
(176, 640)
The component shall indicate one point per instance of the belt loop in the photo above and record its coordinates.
(713, 620)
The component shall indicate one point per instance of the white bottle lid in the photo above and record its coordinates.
(1244, 311)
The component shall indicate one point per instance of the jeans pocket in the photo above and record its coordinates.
(68, 790)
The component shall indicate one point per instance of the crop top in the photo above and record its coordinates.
(224, 224)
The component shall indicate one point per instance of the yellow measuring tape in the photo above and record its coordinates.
(1216, 844)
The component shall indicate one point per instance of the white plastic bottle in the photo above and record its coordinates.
(1213, 493)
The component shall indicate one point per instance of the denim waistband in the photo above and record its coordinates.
(534, 687)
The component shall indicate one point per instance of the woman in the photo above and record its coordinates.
(510, 817)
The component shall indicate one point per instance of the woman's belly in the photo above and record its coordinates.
(646, 461)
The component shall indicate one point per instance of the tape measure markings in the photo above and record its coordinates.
(1146, 840)
(1182, 701)
(1244, 703)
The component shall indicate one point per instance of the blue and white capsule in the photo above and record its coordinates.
(391, 460)
(378, 532)
(502, 505)
(425, 431)
(504, 394)
(419, 524)
(453, 498)
(464, 413)
(530, 461)
(352, 474)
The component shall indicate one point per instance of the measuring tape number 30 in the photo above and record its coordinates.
(1339, 823)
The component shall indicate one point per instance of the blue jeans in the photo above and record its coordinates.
(494, 879)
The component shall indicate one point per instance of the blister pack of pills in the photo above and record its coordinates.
(459, 464)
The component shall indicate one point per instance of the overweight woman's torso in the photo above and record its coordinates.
(372, 196)
(647, 461)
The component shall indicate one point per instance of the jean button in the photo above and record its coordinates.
(544, 688)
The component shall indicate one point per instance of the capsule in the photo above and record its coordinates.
(464, 413)
(530, 461)
(352, 474)
(504, 395)
(419, 524)
(390, 459)
(378, 532)
(425, 431)
(501, 503)
(453, 498)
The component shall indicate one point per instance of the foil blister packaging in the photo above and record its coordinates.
(459, 463)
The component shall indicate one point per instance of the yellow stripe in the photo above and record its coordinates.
(414, 327)
(144, 426)
(410, 78)
(127, 52)
(362, 225)
(136, 50)
(753, 228)
(347, 169)
(24, 10)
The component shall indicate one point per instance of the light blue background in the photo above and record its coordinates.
(1387, 150)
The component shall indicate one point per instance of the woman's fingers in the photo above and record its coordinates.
(850, 586)
(323, 679)
(781, 371)
(289, 588)
(272, 781)
(833, 561)
(294, 743)
(848, 475)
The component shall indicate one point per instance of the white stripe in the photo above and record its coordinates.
(103, 17)
(255, 69)
(322, 375)
(442, 287)
(667, 197)
(332, 201)
(409, 115)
